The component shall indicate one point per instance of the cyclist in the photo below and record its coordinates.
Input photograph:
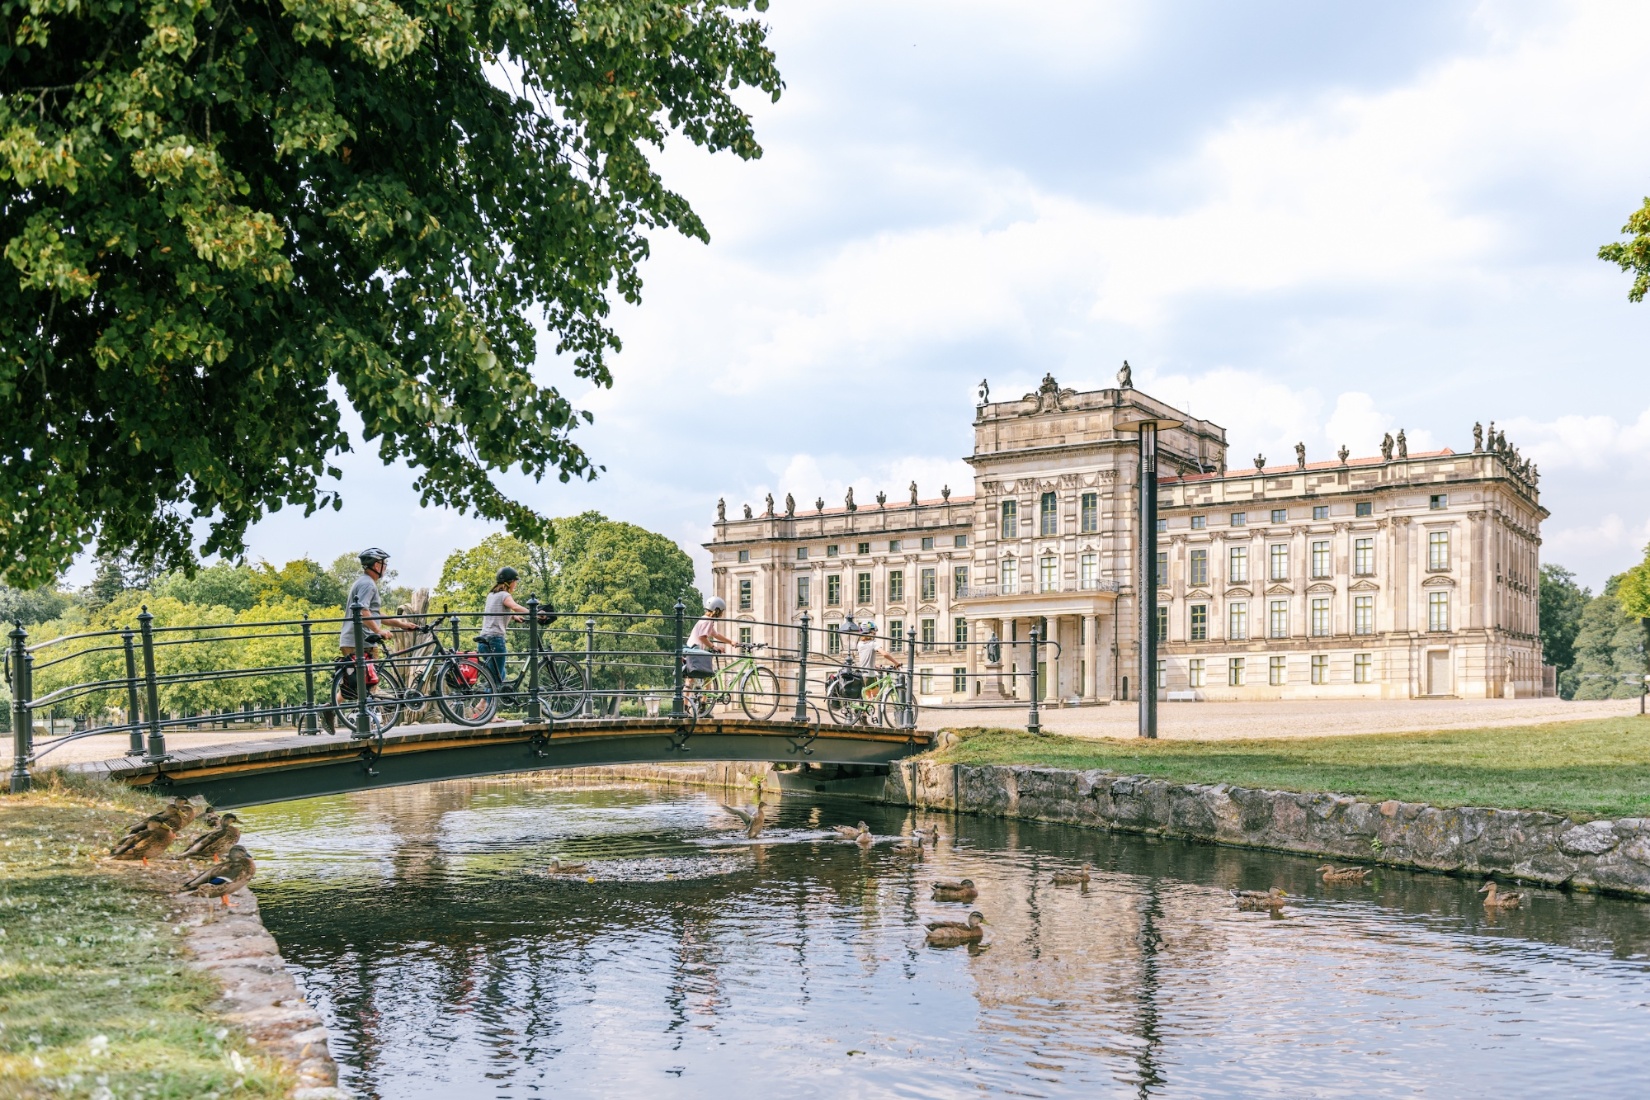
(373, 623)
(869, 655)
(500, 610)
(705, 640)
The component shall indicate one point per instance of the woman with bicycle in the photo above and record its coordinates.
(500, 610)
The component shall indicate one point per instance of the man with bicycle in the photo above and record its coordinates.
(365, 592)
(870, 656)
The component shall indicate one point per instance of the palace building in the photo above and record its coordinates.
(1396, 576)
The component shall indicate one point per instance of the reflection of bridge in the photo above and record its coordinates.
(248, 773)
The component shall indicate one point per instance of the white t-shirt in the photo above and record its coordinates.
(704, 626)
(865, 654)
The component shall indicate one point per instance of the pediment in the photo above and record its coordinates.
(927, 609)
(1366, 586)
(1280, 590)
(1438, 582)
(1321, 590)
(1198, 594)
(1244, 592)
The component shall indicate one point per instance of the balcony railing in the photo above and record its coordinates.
(1014, 588)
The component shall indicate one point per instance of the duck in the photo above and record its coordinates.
(153, 840)
(1253, 901)
(908, 846)
(754, 822)
(1333, 874)
(224, 877)
(1079, 877)
(851, 832)
(215, 843)
(927, 836)
(176, 817)
(557, 867)
(961, 890)
(1494, 899)
(951, 933)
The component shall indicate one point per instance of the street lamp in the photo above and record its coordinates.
(1146, 590)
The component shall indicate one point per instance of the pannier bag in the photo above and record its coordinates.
(468, 673)
(697, 664)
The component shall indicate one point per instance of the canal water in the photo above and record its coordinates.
(687, 961)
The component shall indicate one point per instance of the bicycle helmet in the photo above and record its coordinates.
(505, 575)
(716, 603)
(867, 627)
(372, 554)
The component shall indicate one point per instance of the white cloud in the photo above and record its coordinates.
(1595, 444)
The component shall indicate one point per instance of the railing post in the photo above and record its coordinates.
(455, 628)
(134, 715)
(22, 724)
(534, 710)
(802, 670)
(911, 673)
(157, 738)
(1033, 724)
(306, 724)
(677, 704)
(363, 724)
(590, 666)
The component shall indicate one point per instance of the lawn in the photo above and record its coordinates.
(95, 998)
(1587, 769)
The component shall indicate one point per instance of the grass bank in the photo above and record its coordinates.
(95, 998)
(1586, 769)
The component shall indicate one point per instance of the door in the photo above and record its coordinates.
(1438, 673)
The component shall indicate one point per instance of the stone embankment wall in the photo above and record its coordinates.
(1608, 856)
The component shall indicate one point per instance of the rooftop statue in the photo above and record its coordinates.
(1386, 446)
(721, 509)
(1403, 444)
(1260, 462)
(913, 494)
(1125, 377)
(1478, 436)
(1343, 453)
(747, 511)
(1300, 456)
(849, 500)
(769, 511)
(790, 505)
(985, 392)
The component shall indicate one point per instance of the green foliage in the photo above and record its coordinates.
(1635, 588)
(30, 606)
(303, 580)
(221, 217)
(1562, 601)
(1609, 649)
(1633, 255)
(223, 585)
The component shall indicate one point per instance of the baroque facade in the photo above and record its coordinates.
(1395, 576)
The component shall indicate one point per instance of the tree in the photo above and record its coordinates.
(1609, 650)
(117, 572)
(1635, 587)
(30, 606)
(223, 585)
(303, 580)
(1561, 603)
(1633, 255)
(222, 217)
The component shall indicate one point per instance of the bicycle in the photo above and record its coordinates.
(458, 683)
(756, 685)
(564, 684)
(882, 700)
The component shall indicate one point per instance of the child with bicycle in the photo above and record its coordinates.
(870, 656)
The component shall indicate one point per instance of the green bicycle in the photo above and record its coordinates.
(882, 700)
(756, 686)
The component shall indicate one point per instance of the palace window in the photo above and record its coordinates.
(1438, 502)
(1194, 672)
(744, 595)
(1437, 549)
(862, 587)
(1240, 519)
(1237, 565)
(925, 680)
(1088, 571)
(1090, 513)
(930, 585)
(959, 632)
(1277, 671)
(1437, 611)
(1277, 619)
(893, 546)
(1049, 513)
(959, 681)
(1365, 508)
(896, 631)
(1199, 621)
(1162, 623)
(801, 553)
(1237, 621)
(1048, 573)
(1162, 568)
(804, 590)
(1320, 668)
(1363, 557)
(1008, 574)
(1280, 515)
(832, 550)
(744, 635)
(1198, 574)
(1199, 522)
(1162, 674)
(744, 555)
(1162, 525)
(928, 542)
(1278, 556)
(1361, 665)
(1363, 615)
(929, 629)
(1321, 622)
(1234, 672)
(862, 548)
(1320, 558)
(833, 638)
(896, 586)
(959, 581)
(1011, 520)
(833, 590)
(959, 541)
(1320, 511)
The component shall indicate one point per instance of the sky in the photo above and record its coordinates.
(1302, 221)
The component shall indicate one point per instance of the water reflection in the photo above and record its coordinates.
(693, 960)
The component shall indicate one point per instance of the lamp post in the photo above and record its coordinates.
(1147, 428)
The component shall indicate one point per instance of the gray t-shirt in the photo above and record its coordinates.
(365, 590)
(494, 615)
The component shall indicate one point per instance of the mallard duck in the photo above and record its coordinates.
(961, 890)
(1344, 874)
(950, 933)
(1253, 901)
(215, 843)
(753, 821)
(927, 836)
(211, 819)
(851, 832)
(175, 816)
(557, 867)
(907, 846)
(1079, 877)
(224, 877)
(151, 841)
(1494, 899)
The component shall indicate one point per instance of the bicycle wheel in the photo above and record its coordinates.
(844, 711)
(383, 702)
(700, 704)
(463, 699)
(562, 686)
(759, 693)
(897, 712)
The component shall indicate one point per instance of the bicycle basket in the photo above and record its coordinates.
(698, 664)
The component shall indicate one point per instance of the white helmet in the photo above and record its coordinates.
(716, 603)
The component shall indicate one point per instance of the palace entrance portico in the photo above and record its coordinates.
(1081, 665)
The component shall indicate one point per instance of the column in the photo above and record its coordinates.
(1051, 690)
(1091, 682)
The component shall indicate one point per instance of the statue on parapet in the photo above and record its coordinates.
(1403, 444)
(1478, 436)
(849, 500)
(747, 511)
(721, 509)
(790, 505)
(819, 504)
(945, 494)
(1125, 377)
(1386, 446)
(769, 511)
(985, 392)
(882, 499)
(913, 494)
(1343, 453)
(1300, 456)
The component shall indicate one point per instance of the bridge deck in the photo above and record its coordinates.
(248, 773)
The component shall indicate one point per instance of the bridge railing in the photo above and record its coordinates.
(148, 678)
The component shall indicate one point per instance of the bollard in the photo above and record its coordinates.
(534, 710)
(157, 739)
(676, 706)
(363, 724)
(802, 670)
(134, 716)
(590, 667)
(1033, 725)
(911, 674)
(22, 727)
(306, 724)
